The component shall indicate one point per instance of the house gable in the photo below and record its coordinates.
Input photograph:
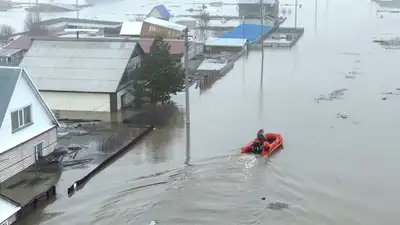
(155, 13)
(8, 80)
(160, 12)
(125, 78)
(25, 94)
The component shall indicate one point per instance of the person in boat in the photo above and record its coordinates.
(261, 137)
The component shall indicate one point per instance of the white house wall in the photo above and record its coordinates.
(22, 97)
(22, 156)
(69, 101)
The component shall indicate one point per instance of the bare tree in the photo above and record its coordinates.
(32, 21)
(6, 30)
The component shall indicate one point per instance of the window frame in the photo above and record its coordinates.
(37, 155)
(21, 118)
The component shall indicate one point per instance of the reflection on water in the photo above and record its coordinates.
(167, 119)
(188, 137)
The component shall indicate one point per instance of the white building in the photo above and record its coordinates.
(86, 77)
(8, 211)
(131, 29)
(28, 128)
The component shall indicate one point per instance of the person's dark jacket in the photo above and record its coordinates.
(260, 136)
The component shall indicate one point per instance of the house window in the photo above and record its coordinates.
(39, 150)
(21, 118)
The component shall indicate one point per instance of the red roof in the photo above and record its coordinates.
(177, 46)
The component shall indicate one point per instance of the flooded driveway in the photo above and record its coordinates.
(333, 170)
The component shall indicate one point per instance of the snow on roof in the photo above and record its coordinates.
(131, 28)
(163, 23)
(7, 209)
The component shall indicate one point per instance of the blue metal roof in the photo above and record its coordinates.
(248, 31)
(163, 11)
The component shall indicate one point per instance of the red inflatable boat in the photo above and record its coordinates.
(274, 140)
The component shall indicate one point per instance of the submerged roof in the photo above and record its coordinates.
(166, 24)
(251, 32)
(7, 208)
(130, 28)
(78, 66)
(163, 11)
(8, 80)
(225, 42)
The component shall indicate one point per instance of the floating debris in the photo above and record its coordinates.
(341, 116)
(350, 77)
(354, 72)
(336, 94)
(350, 53)
(74, 147)
(277, 206)
(76, 162)
(390, 93)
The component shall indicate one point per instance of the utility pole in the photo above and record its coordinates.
(262, 39)
(77, 17)
(37, 11)
(185, 62)
(77, 9)
(316, 15)
(295, 14)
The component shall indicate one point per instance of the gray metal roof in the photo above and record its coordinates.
(75, 20)
(8, 80)
(77, 66)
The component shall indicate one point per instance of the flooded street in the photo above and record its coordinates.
(333, 169)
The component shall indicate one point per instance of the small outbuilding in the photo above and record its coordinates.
(218, 45)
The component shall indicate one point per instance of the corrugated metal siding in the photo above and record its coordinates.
(22, 156)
